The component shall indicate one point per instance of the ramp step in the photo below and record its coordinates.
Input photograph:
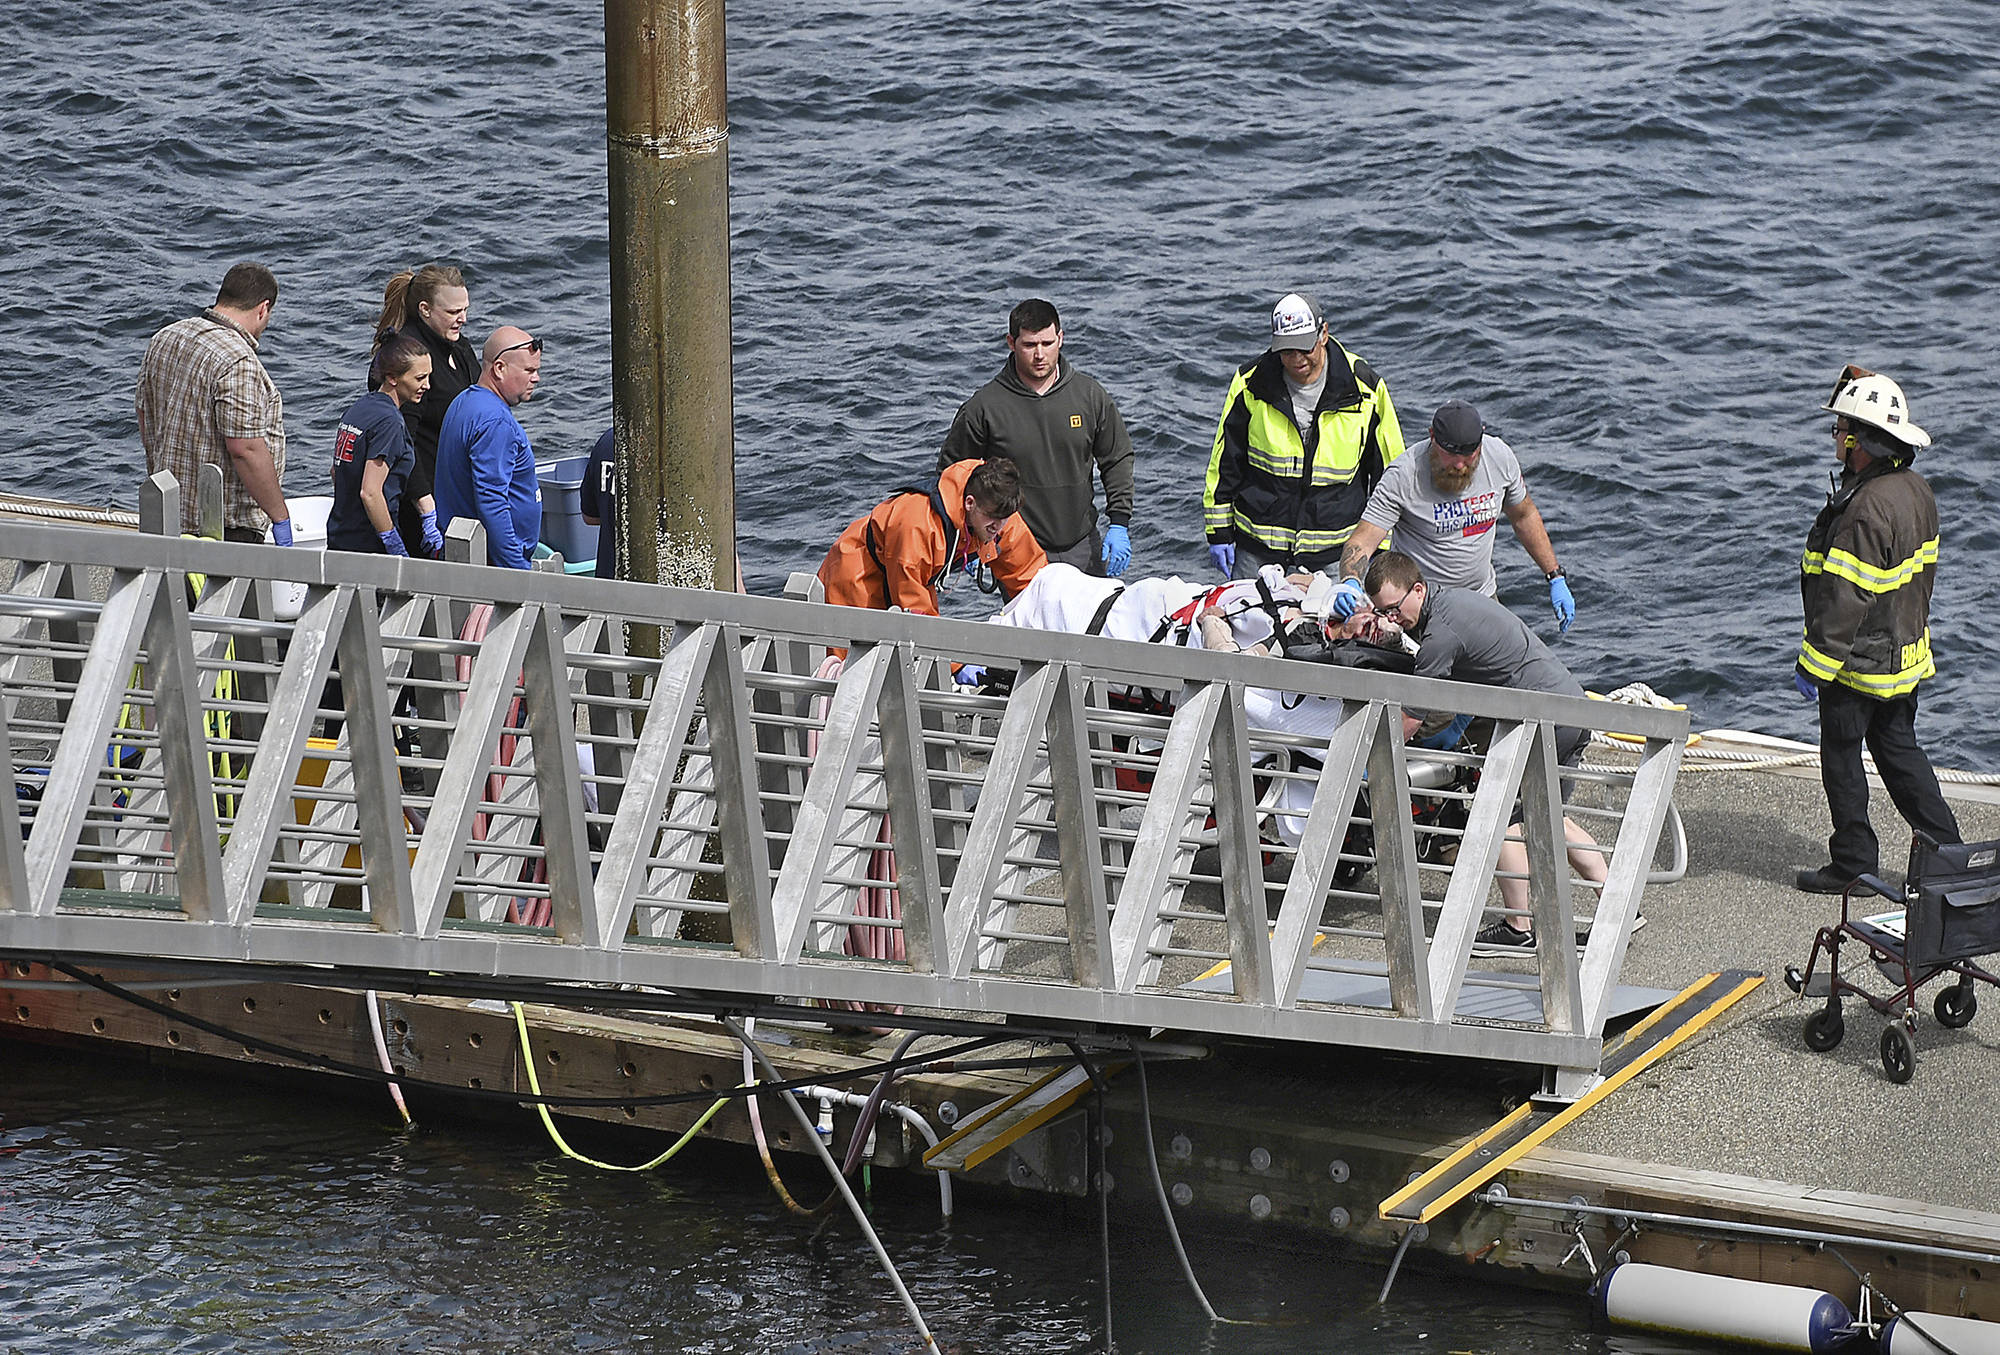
(1005, 1122)
(1492, 1152)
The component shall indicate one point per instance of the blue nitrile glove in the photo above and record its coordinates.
(1564, 602)
(1348, 598)
(1805, 685)
(392, 541)
(1223, 556)
(433, 538)
(281, 532)
(969, 674)
(1117, 549)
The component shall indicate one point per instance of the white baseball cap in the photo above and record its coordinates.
(1295, 323)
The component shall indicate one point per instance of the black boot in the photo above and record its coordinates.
(1824, 880)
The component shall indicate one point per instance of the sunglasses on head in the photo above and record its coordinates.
(532, 345)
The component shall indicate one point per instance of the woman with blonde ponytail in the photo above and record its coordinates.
(429, 304)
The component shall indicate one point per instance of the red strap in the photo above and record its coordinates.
(1186, 615)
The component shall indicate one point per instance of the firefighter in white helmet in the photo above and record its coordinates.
(1870, 562)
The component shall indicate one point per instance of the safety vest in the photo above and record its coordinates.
(1298, 494)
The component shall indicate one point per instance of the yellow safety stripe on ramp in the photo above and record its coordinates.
(1223, 966)
(990, 1128)
(1492, 1152)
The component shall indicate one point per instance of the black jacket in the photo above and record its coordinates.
(1297, 495)
(454, 368)
(1870, 562)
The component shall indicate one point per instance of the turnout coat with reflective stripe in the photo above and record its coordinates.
(1870, 563)
(1298, 494)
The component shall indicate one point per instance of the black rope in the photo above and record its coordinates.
(1896, 1310)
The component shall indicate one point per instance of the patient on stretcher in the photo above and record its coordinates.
(1249, 616)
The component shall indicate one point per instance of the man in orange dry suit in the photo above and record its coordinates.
(900, 553)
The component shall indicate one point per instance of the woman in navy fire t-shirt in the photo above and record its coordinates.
(372, 455)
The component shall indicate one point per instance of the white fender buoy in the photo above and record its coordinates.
(1948, 1335)
(1781, 1316)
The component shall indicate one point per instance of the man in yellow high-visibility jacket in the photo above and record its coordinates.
(1307, 431)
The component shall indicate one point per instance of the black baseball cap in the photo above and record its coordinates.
(1456, 428)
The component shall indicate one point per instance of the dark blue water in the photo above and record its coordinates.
(142, 1211)
(1643, 237)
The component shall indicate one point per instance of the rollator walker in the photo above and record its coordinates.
(1950, 917)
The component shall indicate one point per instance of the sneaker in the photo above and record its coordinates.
(1497, 938)
(1583, 932)
(1825, 880)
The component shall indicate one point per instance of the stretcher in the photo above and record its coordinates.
(1949, 918)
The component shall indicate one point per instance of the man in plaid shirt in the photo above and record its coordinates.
(204, 396)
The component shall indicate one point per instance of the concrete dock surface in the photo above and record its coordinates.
(1743, 1120)
(1746, 1096)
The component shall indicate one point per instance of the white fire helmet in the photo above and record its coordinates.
(1866, 397)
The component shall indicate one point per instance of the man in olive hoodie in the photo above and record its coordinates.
(1053, 422)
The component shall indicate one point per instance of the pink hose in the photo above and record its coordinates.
(531, 912)
(878, 898)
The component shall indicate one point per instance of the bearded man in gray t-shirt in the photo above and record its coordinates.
(1441, 503)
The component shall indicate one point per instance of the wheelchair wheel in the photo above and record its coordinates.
(1899, 1053)
(1824, 1029)
(1955, 1005)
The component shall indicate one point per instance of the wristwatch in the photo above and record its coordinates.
(1553, 575)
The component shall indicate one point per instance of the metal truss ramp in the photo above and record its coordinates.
(542, 778)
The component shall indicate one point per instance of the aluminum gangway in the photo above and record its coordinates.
(547, 779)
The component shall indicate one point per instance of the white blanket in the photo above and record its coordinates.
(1064, 598)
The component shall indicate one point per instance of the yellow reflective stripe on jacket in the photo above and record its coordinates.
(1872, 578)
(1914, 665)
(1312, 543)
(1817, 664)
(1289, 538)
(1275, 446)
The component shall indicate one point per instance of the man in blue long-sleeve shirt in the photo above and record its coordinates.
(485, 463)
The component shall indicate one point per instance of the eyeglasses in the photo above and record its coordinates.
(532, 345)
(1395, 608)
(1450, 450)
